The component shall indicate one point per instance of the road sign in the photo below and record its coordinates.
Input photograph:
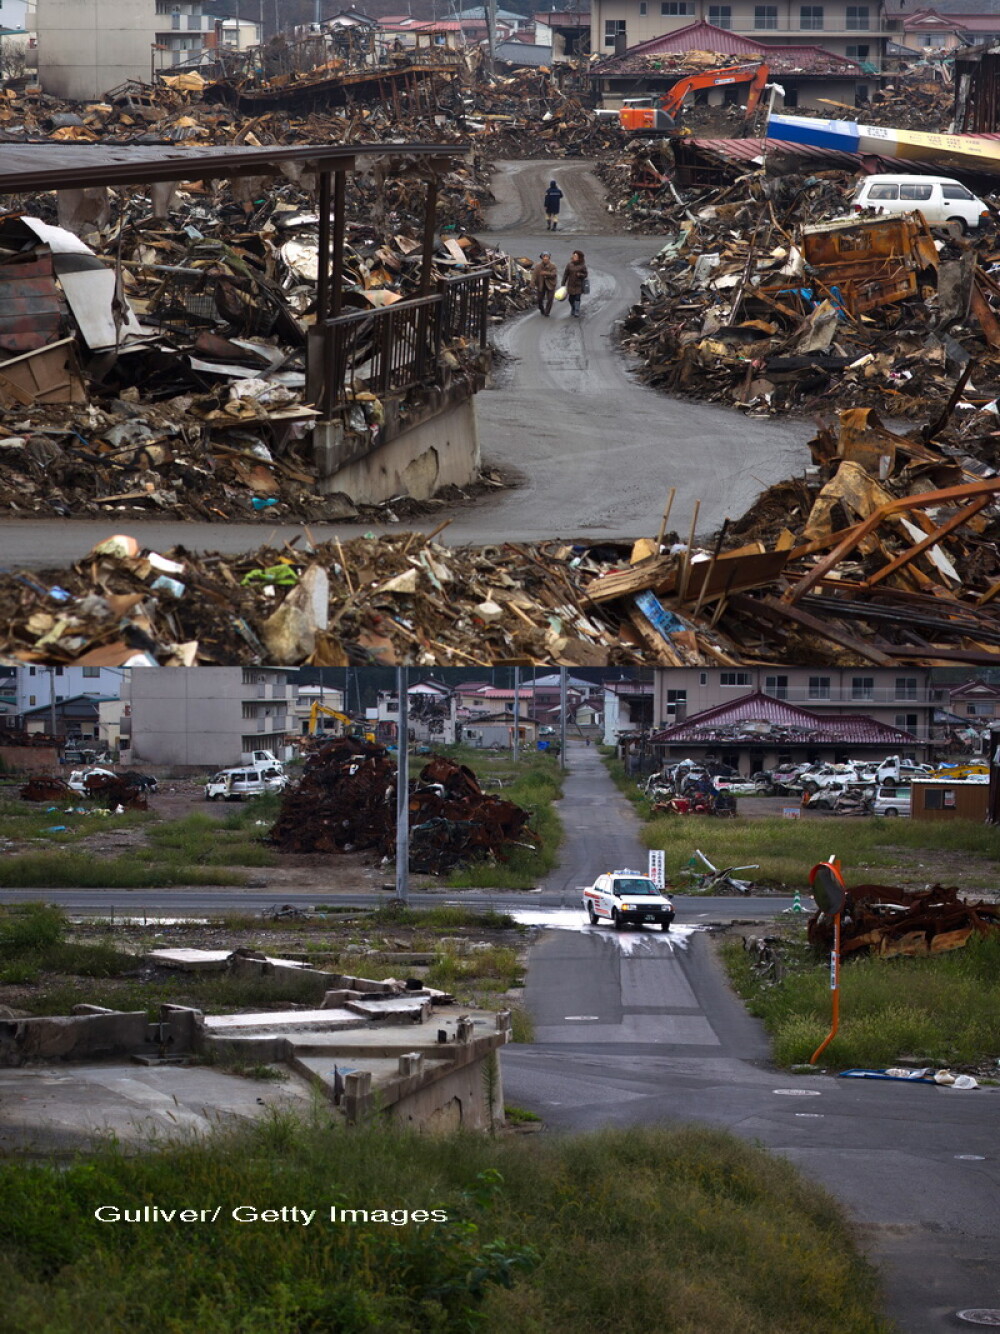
(658, 868)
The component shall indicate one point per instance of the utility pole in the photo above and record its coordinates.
(52, 700)
(402, 788)
(515, 740)
(562, 718)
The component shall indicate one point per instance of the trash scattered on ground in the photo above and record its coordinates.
(346, 802)
(888, 921)
(928, 1075)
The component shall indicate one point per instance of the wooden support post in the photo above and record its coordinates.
(430, 230)
(323, 278)
(339, 230)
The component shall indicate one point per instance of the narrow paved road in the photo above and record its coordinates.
(637, 1028)
(596, 452)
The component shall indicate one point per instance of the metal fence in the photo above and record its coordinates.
(396, 348)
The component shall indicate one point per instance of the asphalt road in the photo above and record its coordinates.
(640, 1027)
(596, 452)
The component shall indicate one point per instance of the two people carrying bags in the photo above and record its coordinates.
(575, 282)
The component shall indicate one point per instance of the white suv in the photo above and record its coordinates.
(236, 784)
(627, 898)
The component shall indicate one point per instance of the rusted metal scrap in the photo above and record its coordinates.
(888, 920)
(113, 790)
(46, 788)
(346, 802)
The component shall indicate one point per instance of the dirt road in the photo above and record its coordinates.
(596, 452)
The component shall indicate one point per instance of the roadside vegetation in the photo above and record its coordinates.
(534, 782)
(624, 783)
(193, 850)
(681, 1231)
(785, 850)
(940, 1011)
(55, 965)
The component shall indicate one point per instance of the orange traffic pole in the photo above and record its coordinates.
(835, 989)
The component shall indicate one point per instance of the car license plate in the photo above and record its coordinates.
(650, 917)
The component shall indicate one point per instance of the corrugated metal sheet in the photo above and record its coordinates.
(49, 166)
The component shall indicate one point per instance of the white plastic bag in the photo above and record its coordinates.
(561, 294)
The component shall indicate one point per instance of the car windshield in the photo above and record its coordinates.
(632, 887)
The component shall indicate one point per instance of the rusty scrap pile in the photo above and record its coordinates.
(346, 802)
(108, 791)
(750, 307)
(887, 920)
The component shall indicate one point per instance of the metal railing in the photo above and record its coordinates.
(396, 348)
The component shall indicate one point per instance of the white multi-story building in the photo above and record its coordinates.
(35, 687)
(213, 716)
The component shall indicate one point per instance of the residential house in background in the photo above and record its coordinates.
(36, 686)
(212, 716)
(895, 697)
(432, 710)
(76, 716)
(977, 702)
(303, 697)
(566, 33)
(808, 73)
(856, 31)
(756, 731)
(628, 709)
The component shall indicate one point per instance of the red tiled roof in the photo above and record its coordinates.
(703, 36)
(757, 707)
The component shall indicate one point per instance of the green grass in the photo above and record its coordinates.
(674, 1231)
(787, 849)
(520, 1115)
(205, 991)
(944, 1010)
(442, 917)
(24, 820)
(624, 783)
(496, 968)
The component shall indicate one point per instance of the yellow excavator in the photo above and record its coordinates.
(351, 728)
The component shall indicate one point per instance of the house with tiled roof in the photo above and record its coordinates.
(807, 72)
(756, 731)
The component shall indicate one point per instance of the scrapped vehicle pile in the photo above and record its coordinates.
(109, 791)
(346, 802)
(759, 304)
(888, 921)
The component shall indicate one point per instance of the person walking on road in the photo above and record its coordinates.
(553, 198)
(545, 276)
(575, 280)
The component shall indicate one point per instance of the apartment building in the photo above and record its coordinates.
(852, 30)
(895, 697)
(212, 716)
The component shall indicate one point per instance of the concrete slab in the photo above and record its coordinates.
(202, 961)
(280, 1021)
(46, 1109)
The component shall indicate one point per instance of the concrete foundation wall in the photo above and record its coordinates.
(441, 451)
(29, 759)
(71, 1037)
(460, 1099)
(86, 47)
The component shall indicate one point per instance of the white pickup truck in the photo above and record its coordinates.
(627, 898)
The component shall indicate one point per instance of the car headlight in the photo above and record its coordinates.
(626, 907)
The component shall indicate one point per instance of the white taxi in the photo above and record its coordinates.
(627, 898)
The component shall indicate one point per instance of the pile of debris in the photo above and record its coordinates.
(887, 920)
(108, 791)
(188, 397)
(346, 802)
(893, 560)
(755, 306)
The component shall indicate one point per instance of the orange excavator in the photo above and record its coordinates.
(645, 116)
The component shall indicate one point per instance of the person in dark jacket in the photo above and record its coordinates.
(544, 276)
(575, 280)
(553, 198)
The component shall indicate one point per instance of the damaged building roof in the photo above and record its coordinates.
(704, 40)
(763, 714)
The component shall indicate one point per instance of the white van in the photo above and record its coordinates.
(891, 800)
(938, 198)
(238, 784)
